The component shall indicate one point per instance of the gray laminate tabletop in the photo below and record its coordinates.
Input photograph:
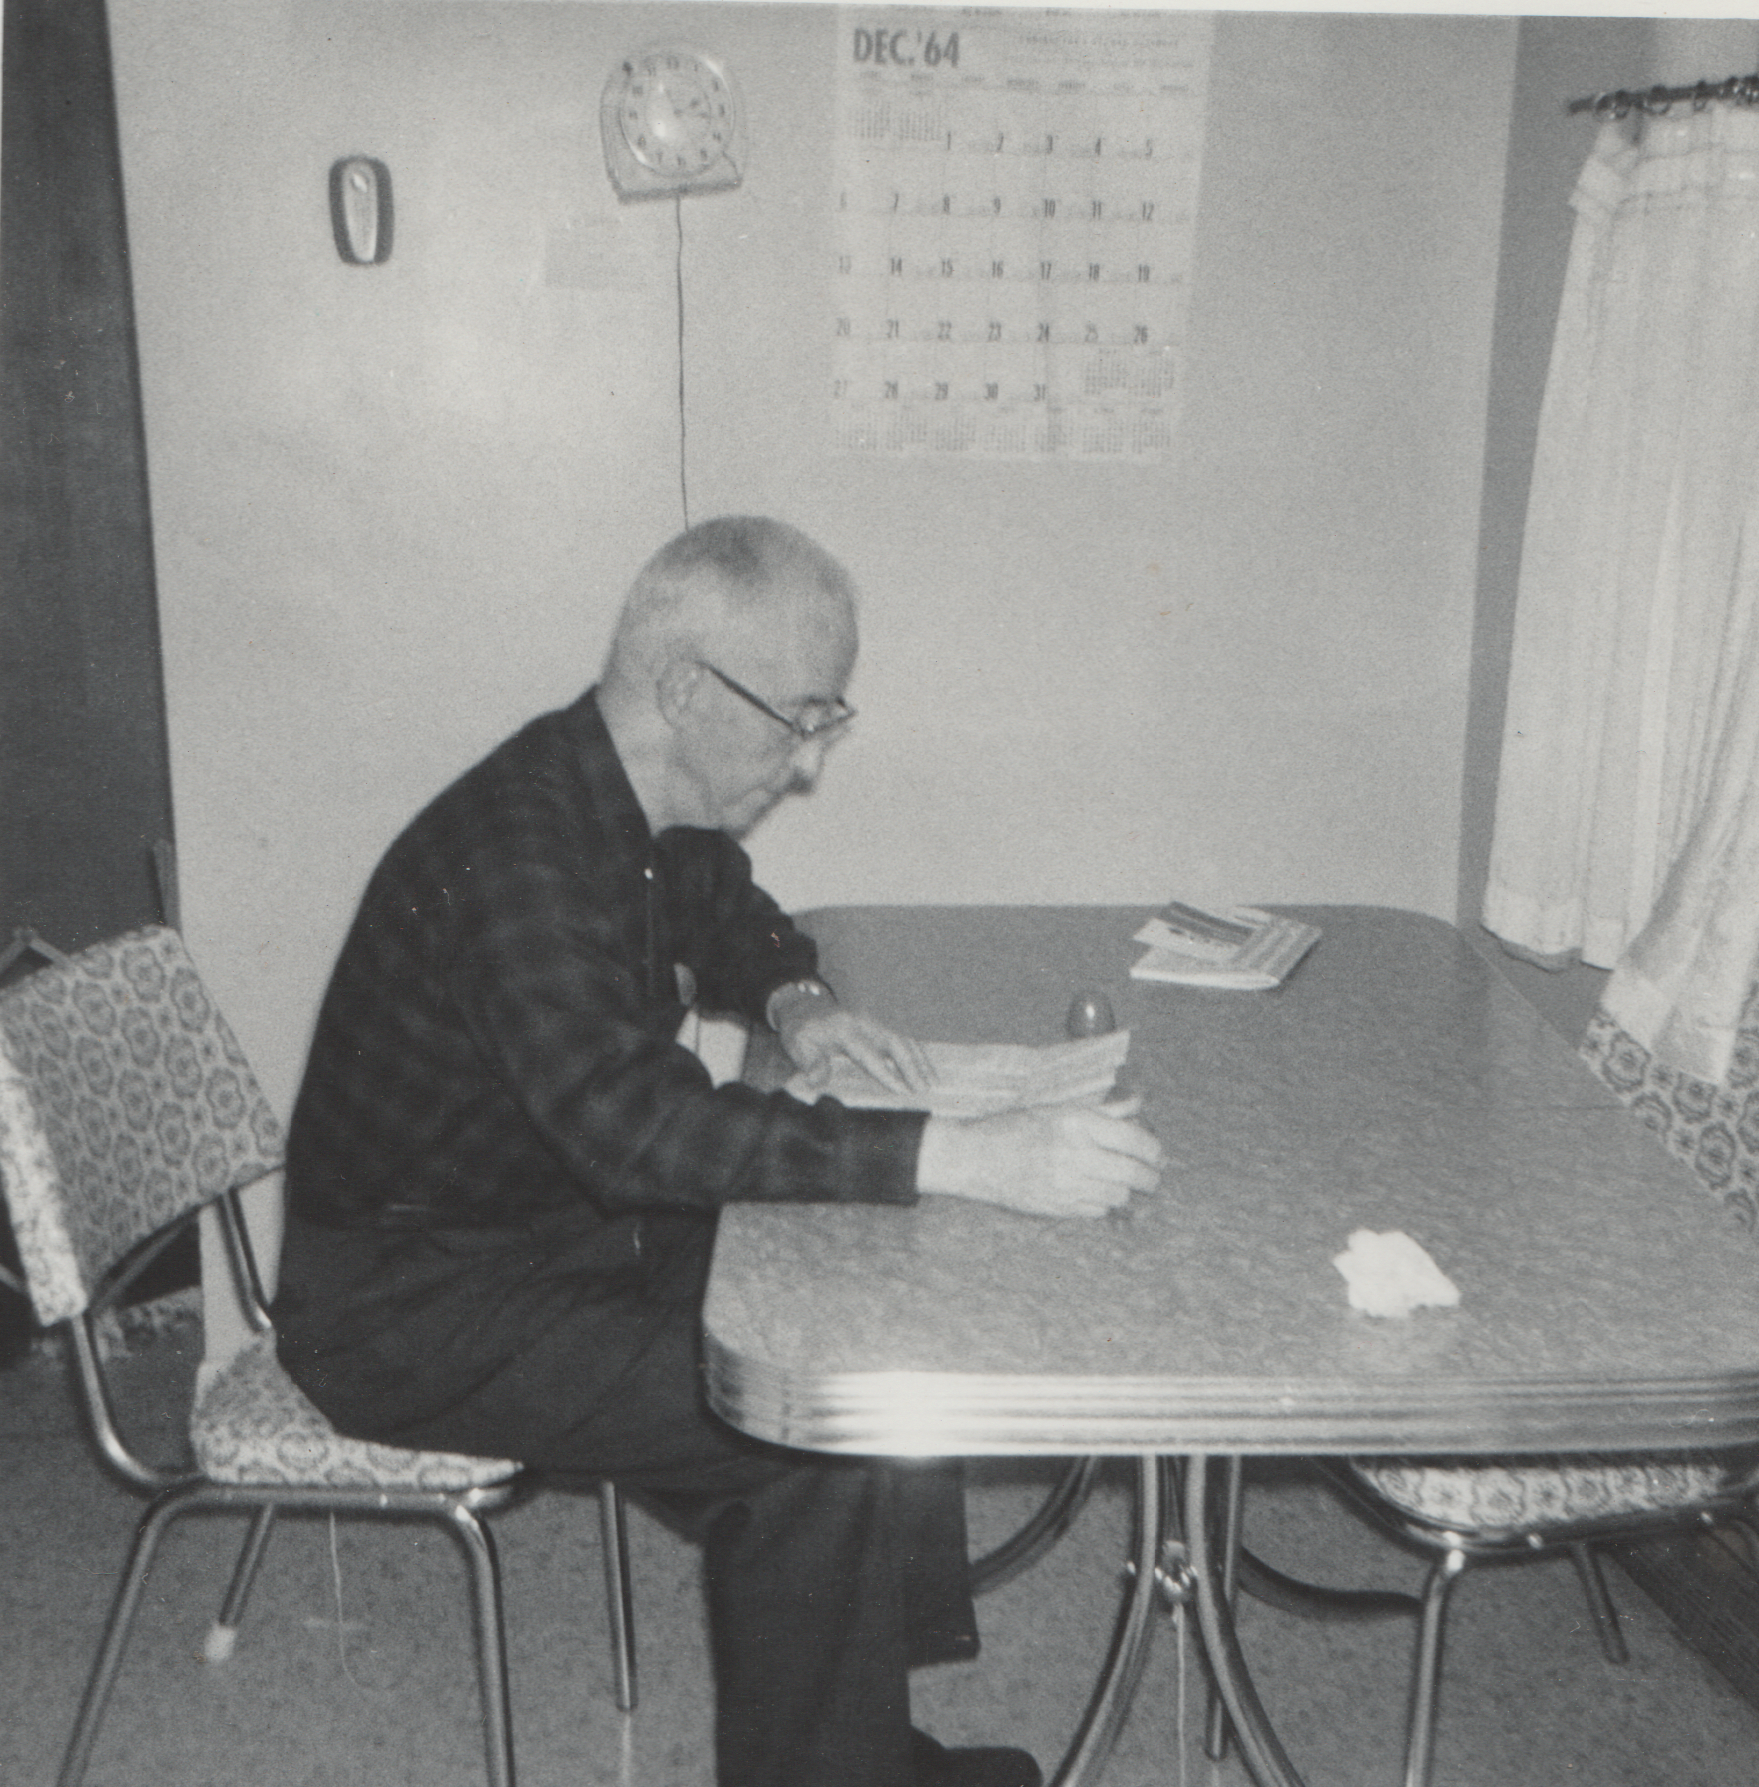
(1396, 1081)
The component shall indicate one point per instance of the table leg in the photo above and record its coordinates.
(1215, 1731)
(1129, 1650)
(1040, 1533)
(1263, 1755)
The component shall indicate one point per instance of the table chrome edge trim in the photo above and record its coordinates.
(926, 1414)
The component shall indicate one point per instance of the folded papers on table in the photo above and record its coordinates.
(1255, 952)
(978, 1079)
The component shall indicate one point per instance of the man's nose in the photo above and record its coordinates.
(809, 760)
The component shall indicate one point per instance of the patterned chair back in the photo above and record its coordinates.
(125, 1101)
(1713, 1128)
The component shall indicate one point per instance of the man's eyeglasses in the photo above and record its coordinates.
(815, 720)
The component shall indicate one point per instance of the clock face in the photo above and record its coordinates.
(676, 112)
(672, 124)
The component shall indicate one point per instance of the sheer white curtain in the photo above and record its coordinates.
(1627, 822)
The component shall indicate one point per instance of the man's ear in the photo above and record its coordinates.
(676, 692)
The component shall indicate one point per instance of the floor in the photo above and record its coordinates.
(354, 1665)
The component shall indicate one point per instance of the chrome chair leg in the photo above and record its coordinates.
(1307, 1600)
(151, 1530)
(217, 1647)
(1600, 1607)
(1426, 1677)
(619, 1596)
(491, 1642)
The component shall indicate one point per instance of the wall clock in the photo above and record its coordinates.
(672, 123)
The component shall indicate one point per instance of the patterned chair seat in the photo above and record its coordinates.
(1547, 1490)
(126, 1107)
(253, 1424)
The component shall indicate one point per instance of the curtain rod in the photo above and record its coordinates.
(1740, 89)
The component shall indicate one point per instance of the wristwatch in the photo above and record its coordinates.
(795, 989)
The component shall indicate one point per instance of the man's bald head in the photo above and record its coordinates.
(724, 685)
(742, 583)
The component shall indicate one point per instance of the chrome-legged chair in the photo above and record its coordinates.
(1464, 1511)
(126, 1107)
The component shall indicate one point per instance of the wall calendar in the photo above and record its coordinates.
(1014, 202)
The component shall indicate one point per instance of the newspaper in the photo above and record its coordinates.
(978, 1079)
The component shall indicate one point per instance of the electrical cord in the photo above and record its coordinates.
(341, 1624)
(683, 472)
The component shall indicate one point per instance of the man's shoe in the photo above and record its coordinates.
(937, 1766)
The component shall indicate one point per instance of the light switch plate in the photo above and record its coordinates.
(360, 210)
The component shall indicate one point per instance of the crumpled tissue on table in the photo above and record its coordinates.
(1389, 1274)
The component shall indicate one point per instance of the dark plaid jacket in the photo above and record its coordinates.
(497, 1045)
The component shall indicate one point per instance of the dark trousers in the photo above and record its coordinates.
(827, 1578)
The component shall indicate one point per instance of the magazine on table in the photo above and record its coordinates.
(1242, 947)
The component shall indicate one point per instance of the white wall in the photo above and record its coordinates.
(395, 507)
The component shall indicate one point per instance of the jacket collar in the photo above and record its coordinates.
(608, 790)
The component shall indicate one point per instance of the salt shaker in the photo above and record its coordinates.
(1090, 1014)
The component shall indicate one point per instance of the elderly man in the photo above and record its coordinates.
(503, 1170)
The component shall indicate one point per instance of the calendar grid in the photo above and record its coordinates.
(1014, 203)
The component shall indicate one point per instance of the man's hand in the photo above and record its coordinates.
(815, 1032)
(1060, 1160)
